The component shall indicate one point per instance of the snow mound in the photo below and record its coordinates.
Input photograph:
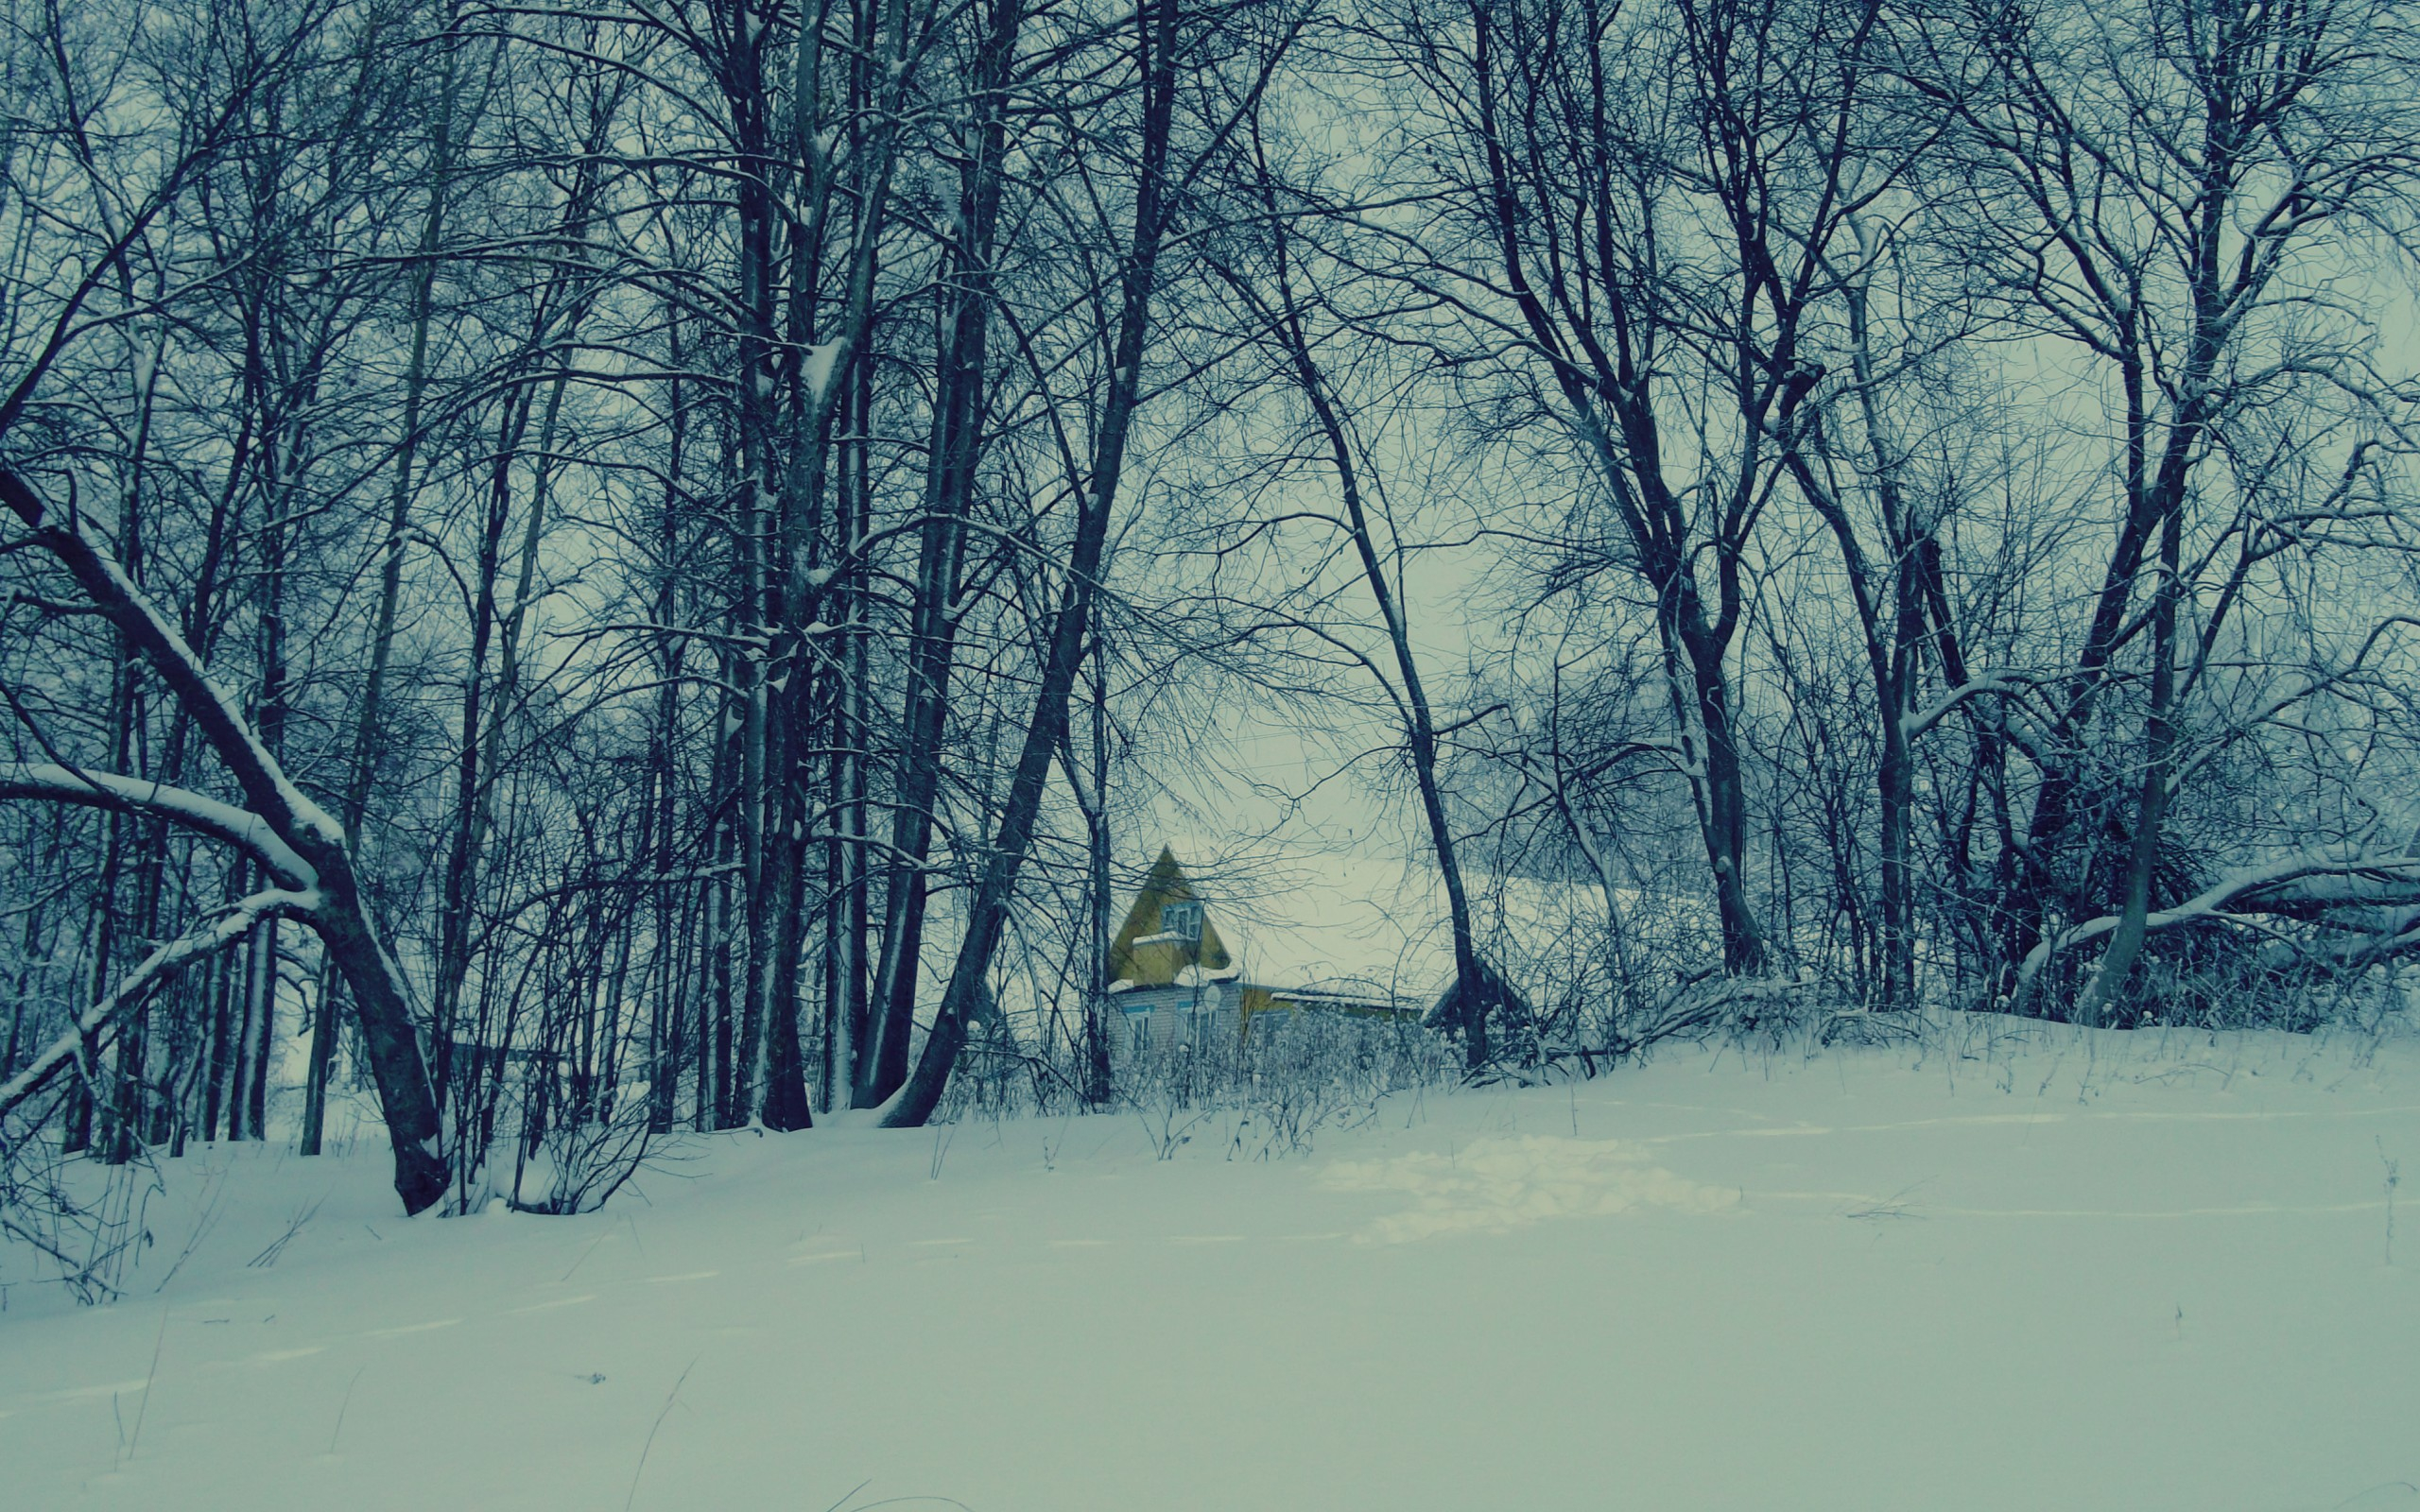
(1499, 1183)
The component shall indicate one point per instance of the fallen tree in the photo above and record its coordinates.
(2372, 896)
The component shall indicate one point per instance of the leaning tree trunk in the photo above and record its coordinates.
(957, 447)
(1477, 988)
(1045, 731)
(367, 731)
(279, 821)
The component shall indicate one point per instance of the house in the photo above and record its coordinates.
(1176, 974)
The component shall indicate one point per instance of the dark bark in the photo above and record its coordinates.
(1045, 730)
(961, 390)
(1477, 991)
(341, 918)
(1598, 343)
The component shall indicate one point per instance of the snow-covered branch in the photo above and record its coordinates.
(2296, 886)
(301, 824)
(217, 931)
(206, 816)
(1922, 720)
(302, 842)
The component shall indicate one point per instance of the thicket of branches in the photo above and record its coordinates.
(638, 566)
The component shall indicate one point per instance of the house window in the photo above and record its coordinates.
(1181, 920)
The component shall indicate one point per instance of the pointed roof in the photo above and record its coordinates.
(1352, 925)
(1143, 953)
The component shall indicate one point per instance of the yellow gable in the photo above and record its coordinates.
(1166, 931)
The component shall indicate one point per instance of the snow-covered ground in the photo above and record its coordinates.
(2057, 1271)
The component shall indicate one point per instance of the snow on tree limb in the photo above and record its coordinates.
(301, 824)
(207, 816)
(1922, 721)
(2297, 886)
(315, 847)
(221, 928)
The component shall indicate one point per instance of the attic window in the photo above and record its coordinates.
(1180, 921)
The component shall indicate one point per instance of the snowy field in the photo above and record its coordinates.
(2061, 1271)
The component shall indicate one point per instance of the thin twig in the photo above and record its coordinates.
(585, 1253)
(669, 1398)
(341, 1408)
(157, 1345)
(2393, 1180)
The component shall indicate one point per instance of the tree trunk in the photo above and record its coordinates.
(341, 917)
(1045, 731)
(1477, 991)
(957, 434)
(368, 735)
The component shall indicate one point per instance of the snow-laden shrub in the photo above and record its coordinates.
(575, 1152)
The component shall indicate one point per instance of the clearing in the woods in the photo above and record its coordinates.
(2043, 1269)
